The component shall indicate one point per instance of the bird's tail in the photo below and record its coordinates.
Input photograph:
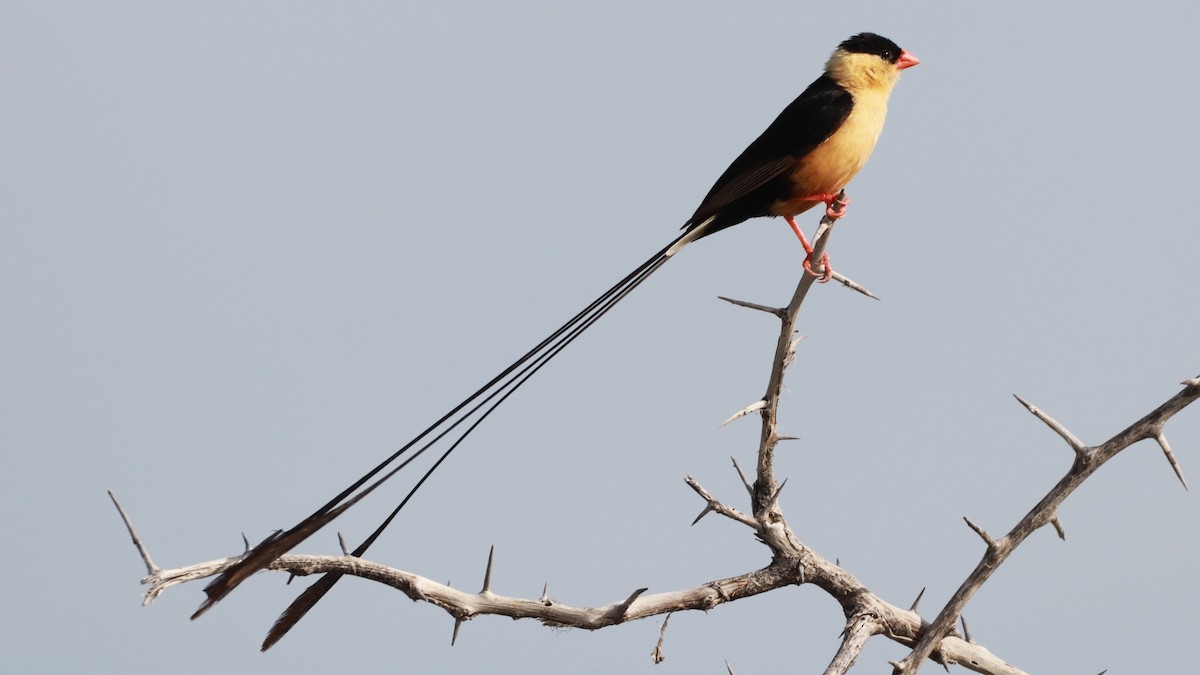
(451, 428)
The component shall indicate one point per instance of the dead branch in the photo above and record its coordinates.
(902, 625)
(792, 563)
(1087, 461)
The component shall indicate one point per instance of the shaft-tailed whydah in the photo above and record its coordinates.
(804, 158)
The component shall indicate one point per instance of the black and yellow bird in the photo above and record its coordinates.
(804, 158)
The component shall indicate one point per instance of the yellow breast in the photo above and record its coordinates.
(832, 164)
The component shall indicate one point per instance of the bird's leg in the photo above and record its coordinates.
(808, 250)
(834, 208)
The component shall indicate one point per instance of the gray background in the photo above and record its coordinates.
(250, 248)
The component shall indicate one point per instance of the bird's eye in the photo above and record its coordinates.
(887, 55)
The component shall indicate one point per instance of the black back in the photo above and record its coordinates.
(761, 175)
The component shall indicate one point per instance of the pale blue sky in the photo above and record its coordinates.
(248, 249)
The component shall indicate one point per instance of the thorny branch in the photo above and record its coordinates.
(792, 563)
(1087, 460)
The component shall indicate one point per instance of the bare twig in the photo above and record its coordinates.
(714, 505)
(151, 568)
(657, 655)
(765, 485)
(987, 539)
(1077, 445)
(742, 476)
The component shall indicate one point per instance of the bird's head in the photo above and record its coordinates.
(868, 61)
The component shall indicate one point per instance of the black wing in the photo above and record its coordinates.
(761, 175)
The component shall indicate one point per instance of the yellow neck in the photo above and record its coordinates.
(862, 73)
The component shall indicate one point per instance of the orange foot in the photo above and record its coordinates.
(824, 276)
(808, 249)
(836, 208)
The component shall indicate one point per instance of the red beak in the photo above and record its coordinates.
(906, 60)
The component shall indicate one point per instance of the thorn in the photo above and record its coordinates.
(777, 311)
(454, 637)
(757, 405)
(1193, 382)
(620, 610)
(773, 503)
(1166, 448)
(1076, 444)
(980, 531)
(787, 438)
(966, 631)
(545, 599)
(707, 510)
(1058, 528)
(917, 601)
(852, 285)
(487, 576)
(945, 667)
(343, 544)
(729, 667)
(837, 561)
(245, 544)
(749, 488)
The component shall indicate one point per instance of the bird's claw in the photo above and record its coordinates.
(836, 208)
(826, 271)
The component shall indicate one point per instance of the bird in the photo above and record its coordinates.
(805, 157)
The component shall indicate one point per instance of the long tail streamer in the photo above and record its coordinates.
(451, 428)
